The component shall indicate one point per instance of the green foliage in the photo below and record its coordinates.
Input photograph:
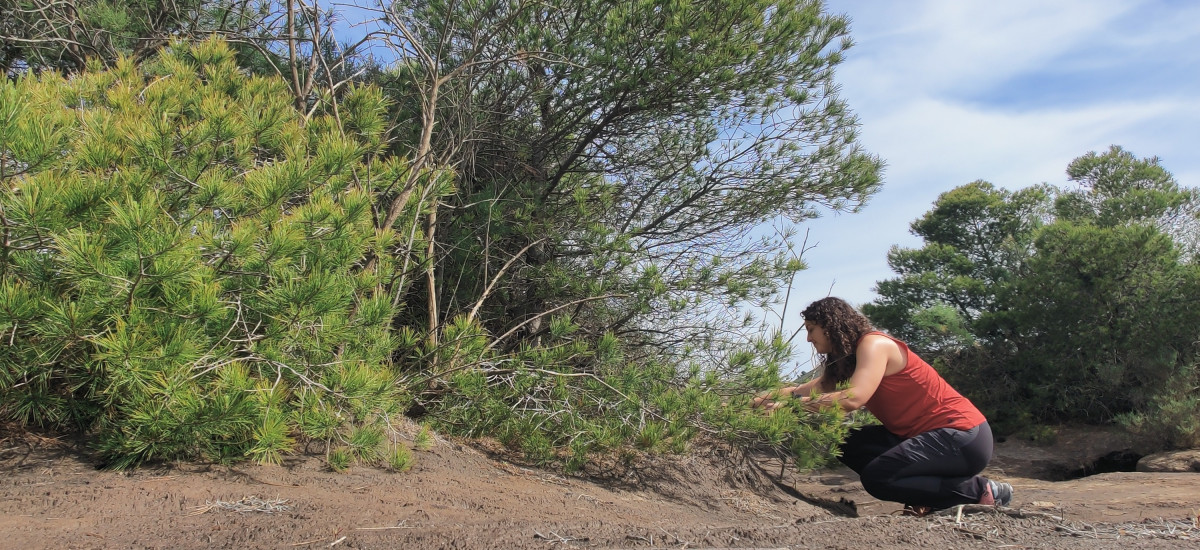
(317, 419)
(339, 459)
(191, 268)
(67, 36)
(1100, 320)
(538, 448)
(616, 155)
(611, 159)
(944, 326)
(650, 436)
(423, 441)
(1172, 419)
(577, 457)
(1117, 188)
(1047, 305)
(366, 443)
(533, 402)
(401, 458)
(203, 263)
(272, 440)
(70, 37)
(977, 238)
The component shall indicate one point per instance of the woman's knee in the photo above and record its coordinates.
(879, 489)
(878, 473)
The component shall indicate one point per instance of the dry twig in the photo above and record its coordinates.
(557, 538)
(987, 508)
(400, 525)
(247, 504)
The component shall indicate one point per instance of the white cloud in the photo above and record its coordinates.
(947, 142)
(936, 46)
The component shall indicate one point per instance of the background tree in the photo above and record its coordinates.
(41, 35)
(1090, 314)
(616, 156)
(291, 38)
(612, 160)
(623, 145)
(977, 238)
(1105, 309)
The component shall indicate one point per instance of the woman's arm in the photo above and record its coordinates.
(871, 366)
(872, 361)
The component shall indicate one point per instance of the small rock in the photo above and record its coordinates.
(1174, 461)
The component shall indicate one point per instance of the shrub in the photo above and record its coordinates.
(423, 441)
(339, 459)
(190, 267)
(401, 459)
(1172, 420)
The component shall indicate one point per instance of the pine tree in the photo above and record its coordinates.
(1072, 304)
(536, 250)
(184, 260)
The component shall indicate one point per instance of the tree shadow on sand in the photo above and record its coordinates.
(842, 507)
(682, 478)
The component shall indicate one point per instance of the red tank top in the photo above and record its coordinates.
(917, 399)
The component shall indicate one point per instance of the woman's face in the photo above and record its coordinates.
(817, 337)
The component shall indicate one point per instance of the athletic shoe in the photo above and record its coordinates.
(1001, 493)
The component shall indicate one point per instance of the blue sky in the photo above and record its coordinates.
(951, 91)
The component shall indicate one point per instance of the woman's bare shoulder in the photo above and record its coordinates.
(877, 341)
(877, 344)
(875, 337)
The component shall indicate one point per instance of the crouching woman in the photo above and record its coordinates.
(932, 443)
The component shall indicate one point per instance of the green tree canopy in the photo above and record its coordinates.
(612, 155)
(977, 238)
(619, 153)
(1081, 301)
(560, 199)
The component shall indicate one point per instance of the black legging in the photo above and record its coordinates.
(938, 468)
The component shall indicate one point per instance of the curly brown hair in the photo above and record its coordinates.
(844, 326)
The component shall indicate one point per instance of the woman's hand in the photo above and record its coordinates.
(767, 400)
(766, 404)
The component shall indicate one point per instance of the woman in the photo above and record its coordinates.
(933, 442)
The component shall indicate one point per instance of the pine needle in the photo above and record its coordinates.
(245, 505)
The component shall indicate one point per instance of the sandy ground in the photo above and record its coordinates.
(459, 497)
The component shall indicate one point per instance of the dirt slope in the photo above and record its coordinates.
(458, 497)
